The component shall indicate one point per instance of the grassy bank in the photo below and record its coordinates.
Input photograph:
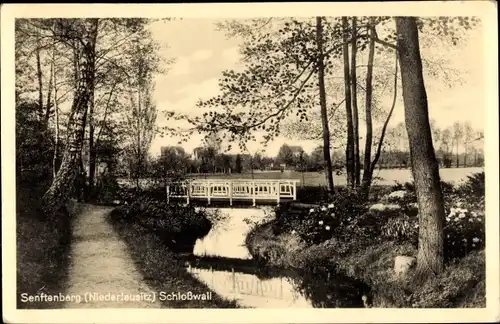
(42, 247)
(162, 269)
(462, 284)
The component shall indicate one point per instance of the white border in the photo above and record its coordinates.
(484, 9)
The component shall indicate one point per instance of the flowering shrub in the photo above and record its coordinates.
(464, 231)
(316, 224)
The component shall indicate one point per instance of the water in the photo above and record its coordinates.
(227, 237)
(224, 264)
(250, 291)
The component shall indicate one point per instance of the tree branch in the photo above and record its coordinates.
(384, 128)
(378, 40)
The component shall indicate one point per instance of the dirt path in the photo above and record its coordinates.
(101, 266)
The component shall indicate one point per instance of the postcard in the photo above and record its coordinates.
(250, 163)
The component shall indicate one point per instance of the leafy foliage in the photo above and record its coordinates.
(177, 225)
(33, 145)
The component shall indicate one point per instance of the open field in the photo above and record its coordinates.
(316, 179)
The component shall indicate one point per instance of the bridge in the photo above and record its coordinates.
(233, 189)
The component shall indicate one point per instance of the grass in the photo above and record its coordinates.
(162, 269)
(462, 284)
(42, 247)
(383, 177)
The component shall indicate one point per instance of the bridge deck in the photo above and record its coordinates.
(229, 190)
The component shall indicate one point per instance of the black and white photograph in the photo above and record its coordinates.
(256, 160)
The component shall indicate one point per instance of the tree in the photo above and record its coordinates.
(369, 165)
(468, 137)
(86, 31)
(350, 164)
(282, 60)
(174, 162)
(285, 155)
(425, 168)
(354, 97)
(458, 134)
(212, 147)
(142, 111)
(237, 164)
(316, 159)
(446, 146)
(322, 101)
(59, 50)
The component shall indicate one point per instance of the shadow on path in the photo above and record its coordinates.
(101, 265)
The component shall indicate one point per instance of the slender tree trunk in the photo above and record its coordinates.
(367, 174)
(458, 160)
(465, 156)
(60, 189)
(354, 85)
(322, 100)
(347, 87)
(423, 160)
(55, 160)
(49, 93)
(139, 156)
(92, 148)
(39, 75)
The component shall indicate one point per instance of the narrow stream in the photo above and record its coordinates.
(239, 279)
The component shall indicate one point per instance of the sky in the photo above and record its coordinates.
(201, 53)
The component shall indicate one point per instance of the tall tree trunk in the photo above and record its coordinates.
(322, 100)
(458, 160)
(55, 160)
(92, 148)
(139, 155)
(60, 189)
(49, 92)
(347, 89)
(423, 160)
(367, 174)
(39, 75)
(355, 117)
(465, 155)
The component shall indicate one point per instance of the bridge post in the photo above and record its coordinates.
(188, 192)
(278, 193)
(294, 190)
(230, 192)
(168, 194)
(209, 192)
(253, 193)
(234, 280)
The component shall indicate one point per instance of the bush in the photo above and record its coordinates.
(179, 226)
(311, 195)
(464, 231)
(316, 224)
(474, 188)
(107, 190)
(402, 229)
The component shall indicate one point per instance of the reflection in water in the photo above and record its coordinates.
(227, 239)
(251, 291)
(222, 261)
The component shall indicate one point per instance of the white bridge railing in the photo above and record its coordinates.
(233, 190)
